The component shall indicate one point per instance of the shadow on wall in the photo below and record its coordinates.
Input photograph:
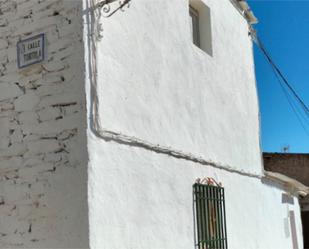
(94, 30)
(94, 11)
(289, 222)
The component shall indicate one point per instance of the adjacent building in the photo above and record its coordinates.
(135, 124)
(296, 166)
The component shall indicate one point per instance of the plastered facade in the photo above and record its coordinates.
(43, 157)
(157, 82)
(163, 109)
(101, 143)
(151, 203)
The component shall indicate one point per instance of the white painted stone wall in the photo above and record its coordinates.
(157, 86)
(164, 109)
(43, 157)
(168, 113)
(141, 199)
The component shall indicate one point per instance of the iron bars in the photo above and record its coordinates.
(210, 225)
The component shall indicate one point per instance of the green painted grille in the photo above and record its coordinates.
(210, 222)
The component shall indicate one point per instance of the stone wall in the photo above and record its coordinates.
(43, 157)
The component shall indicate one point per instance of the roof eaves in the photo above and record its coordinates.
(292, 184)
(244, 9)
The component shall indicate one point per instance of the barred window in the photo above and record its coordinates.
(210, 222)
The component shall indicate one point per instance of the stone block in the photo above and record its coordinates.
(12, 163)
(17, 136)
(4, 143)
(3, 43)
(28, 117)
(8, 91)
(4, 127)
(64, 99)
(43, 146)
(49, 113)
(26, 102)
(14, 150)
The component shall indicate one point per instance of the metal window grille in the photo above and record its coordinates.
(210, 225)
(195, 29)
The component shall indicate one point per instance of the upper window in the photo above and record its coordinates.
(195, 29)
(200, 25)
(210, 219)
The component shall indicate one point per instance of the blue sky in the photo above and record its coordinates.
(284, 29)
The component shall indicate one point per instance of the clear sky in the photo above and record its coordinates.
(284, 29)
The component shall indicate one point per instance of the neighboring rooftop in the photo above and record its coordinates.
(294, 165)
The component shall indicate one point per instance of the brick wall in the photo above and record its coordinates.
(43, 156)
(292, 165)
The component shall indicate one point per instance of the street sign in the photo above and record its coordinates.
(30, 51)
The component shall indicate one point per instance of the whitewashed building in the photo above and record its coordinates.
(115, 117)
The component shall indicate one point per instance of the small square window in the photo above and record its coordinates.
(210, 225)
(200, 25)
(195, 29)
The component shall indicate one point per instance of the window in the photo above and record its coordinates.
(210, 225)
(195, 29)
(200, 25)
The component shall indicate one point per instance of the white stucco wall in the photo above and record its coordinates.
(155, 85)
(155, 89)
(141, 199)
(43, 156)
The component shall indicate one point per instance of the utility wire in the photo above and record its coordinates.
(297, 113)
(294, 107)
(289, 98)
(266, 54)
(284, 82)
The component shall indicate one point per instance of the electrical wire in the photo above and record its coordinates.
(284, 82)
(298, 113)
(278, 71)
(294, 109)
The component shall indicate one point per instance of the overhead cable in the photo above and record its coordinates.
(278, 71)
(287, 88)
